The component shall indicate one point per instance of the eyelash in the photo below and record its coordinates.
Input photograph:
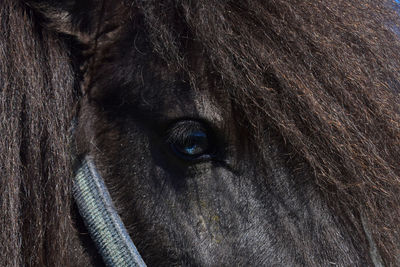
(180, 130)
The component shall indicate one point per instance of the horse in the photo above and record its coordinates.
(227, 133)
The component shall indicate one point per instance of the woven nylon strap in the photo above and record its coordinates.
(104, 224)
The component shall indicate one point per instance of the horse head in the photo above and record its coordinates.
(237, 133)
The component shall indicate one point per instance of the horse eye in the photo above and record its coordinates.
(189, 140)
(195, 144)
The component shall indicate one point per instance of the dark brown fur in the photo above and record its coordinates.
(325, 75)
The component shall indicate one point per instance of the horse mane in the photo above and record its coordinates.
(36, 97)
(324, 75)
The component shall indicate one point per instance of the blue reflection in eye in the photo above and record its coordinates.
(193, 145)
(198, 141)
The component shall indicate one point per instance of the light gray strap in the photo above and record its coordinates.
(373, 250)
(104, 224)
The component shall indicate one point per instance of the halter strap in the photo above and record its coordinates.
(101, 219)
(373, 250)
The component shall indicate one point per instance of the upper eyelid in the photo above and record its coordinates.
(187, 126)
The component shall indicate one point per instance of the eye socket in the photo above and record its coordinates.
(189, 140)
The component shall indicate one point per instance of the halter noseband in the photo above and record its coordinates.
(102, 221)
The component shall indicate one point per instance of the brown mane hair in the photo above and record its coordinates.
(324, 74)
(36, 97)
